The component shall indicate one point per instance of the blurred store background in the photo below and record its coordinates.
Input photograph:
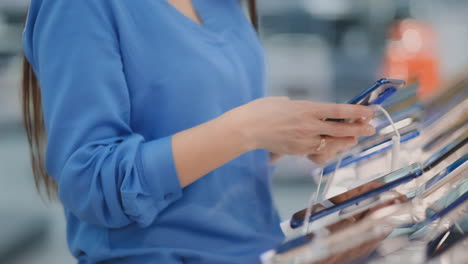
(323, 50)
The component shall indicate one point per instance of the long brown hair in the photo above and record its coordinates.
(252, 4)
(33, 119)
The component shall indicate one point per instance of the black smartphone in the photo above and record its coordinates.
(445, 241)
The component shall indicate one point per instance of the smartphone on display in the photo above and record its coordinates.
(381, 147)
(376, 94)
(453, 129)
(368, 152)
(439, 210)
(389, 181)
(377, 186)
(445, 241)
(446, 151)
(449, 175)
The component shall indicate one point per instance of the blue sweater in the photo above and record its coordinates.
(118, 79)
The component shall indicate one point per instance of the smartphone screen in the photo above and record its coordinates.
(376, 94)
(377, 186)
(445, 175)
(370, 151)
(446, 151)
(386, 182)
(458, 125)
(445, 241)
(457, 198)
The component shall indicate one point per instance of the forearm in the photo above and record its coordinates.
(201, 149)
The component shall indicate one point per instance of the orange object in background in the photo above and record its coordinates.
(411, 55)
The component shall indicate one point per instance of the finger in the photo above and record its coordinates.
(313, 144)
(318, 144)
(363, 120)
(345, 143)
(334, 146)
(337, 129)
(322, 159)
(341, 111)
(338, 145)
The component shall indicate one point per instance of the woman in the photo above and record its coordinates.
(158, 138)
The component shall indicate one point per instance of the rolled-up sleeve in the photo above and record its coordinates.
(107, 174)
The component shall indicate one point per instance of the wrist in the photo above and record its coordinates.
(236, 125)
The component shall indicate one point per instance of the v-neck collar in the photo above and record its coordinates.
(209, 25)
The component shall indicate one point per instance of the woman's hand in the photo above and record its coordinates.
(292, 127)
(277, 124)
